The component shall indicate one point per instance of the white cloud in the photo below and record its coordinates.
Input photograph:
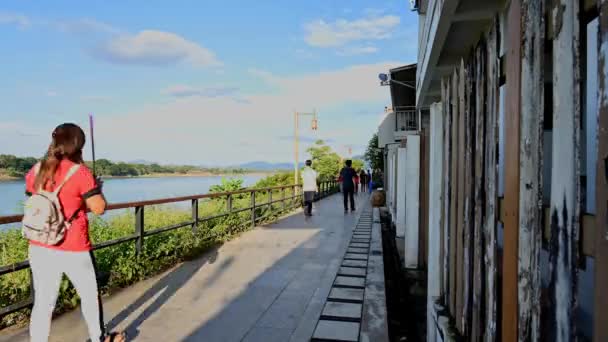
(86, 26)
(181, 90)
(150, 47)
(210, 130)
(18, 20)
(341, 32)
(357, 50)
(51, 93)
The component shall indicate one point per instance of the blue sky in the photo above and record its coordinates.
(201, 82)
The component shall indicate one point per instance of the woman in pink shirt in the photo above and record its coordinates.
(73, 255)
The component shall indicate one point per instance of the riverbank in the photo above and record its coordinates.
(196, 174)
(6, 178)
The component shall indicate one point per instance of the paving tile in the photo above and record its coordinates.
(352, 271)
(349, 281)
(354, 263)
(337, 331)
(362, 236)
(357, 250)
(284, 313)
(346, 294)
(342, 310)
(263, 334)
(355, 256)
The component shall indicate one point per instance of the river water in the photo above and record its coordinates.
(117, 190)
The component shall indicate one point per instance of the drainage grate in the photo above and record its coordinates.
(340, 319)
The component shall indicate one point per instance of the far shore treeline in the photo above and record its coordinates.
(325, 161)
(16, 167)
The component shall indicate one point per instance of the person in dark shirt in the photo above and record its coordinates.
(348, 185)
(363, 180)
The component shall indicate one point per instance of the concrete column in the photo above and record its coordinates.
(388, 175)
(393, 183)
(412, 202)
(435, 206)
(401, 198)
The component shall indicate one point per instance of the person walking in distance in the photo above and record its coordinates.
(348, 185)
(310, 187)
(55, 222)
(363, 180)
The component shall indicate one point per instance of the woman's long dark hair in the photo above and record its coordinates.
(67, 142)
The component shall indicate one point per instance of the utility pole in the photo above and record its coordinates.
(296, 149)
(314, 126)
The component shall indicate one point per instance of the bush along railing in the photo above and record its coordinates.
(128, 250)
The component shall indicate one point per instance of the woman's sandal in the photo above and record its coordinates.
(116, 337)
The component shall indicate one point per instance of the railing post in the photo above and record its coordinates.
(32, 289)
(139, 229)
(283, 198)
(229, 204)
(194, 214)
(270, 201)
(253, 208)
(300, 196)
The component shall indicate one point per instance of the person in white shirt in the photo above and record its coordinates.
(310, 187)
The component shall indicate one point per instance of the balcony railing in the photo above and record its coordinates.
(407, 119)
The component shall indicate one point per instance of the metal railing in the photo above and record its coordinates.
(325, 189)
(407, 119)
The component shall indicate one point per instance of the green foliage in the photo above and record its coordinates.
(325, 161)
(358, 164)
(227, 185)
(14, 166)
(373, 154)
(277, 179)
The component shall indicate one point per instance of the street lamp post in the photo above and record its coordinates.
(314, 126)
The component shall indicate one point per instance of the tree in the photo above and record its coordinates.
(373, 154)
(358, 164)
(325, 161)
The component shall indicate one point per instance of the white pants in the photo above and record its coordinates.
(48, 267)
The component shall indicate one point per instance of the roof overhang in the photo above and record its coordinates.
(451, 29)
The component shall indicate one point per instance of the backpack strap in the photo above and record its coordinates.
(70, 173)
(37, 168)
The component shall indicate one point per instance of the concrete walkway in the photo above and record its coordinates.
(270, 284)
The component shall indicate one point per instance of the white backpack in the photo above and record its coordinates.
(43, 220)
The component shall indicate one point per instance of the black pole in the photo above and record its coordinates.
(92, 142)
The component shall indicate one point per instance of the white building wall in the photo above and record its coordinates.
(386, 130)
(412, 203)
(400, 221)
(435, 206)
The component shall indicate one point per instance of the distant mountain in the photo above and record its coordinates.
(266, 166)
